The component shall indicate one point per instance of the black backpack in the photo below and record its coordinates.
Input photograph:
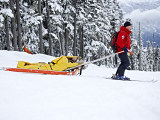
(114, 41)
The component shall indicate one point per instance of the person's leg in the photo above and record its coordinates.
(124, 64)
(119, 69)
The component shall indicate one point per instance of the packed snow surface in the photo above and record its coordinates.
(30, 96)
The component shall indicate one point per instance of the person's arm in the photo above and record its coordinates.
(125, 49)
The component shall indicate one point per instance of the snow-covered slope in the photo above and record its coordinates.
(25, 96)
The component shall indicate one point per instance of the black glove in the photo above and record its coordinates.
(125, 49)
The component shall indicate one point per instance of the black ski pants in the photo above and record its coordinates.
(124, 64)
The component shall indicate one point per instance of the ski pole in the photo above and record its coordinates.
(86, 63)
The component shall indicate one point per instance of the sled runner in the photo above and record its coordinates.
(73, 72)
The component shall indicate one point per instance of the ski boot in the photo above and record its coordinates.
(125, 78)
(117, 77)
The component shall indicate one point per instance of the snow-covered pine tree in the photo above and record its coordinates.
(7, 32)
(40, 27)
(70, 27)
(13, 25)
(48, 23)
(95, 30)
(5, 18)
(1, 24)
(57, 8)
(149, 57)
(140, 44)
(134, 57)
(74, 3)
(115, 17)
(153, 50)
(89, 30)
(80, 26)
(104, 26)
(67, 26)
(19, 31)
(157, 59)
(30, 21)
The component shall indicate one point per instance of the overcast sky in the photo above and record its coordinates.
(135, 1)
(147, 12)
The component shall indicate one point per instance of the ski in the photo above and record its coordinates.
(136, 80)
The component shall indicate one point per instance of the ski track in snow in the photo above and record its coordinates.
(25, 96)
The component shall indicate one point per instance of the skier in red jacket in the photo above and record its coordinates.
(123, 44)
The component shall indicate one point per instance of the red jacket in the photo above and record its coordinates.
(123, 39)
